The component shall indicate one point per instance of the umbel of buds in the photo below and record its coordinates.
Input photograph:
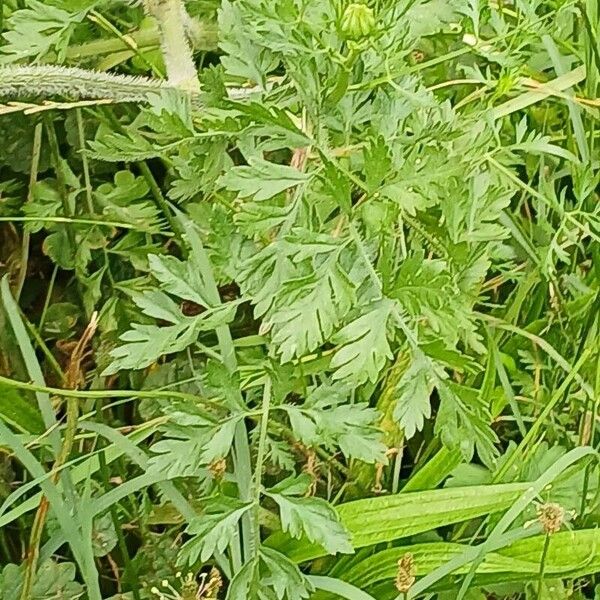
(405, 578)
(358, 21)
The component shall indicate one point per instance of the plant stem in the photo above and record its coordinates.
(33, 173)
(107, 393)
(543, 567)
(204, 37)
(162, 204)
(260, 459)
(177, 54)
(242, 465)
(48, 298)
(60, 176)
(103, 22)
(84, 161)
(39, 340)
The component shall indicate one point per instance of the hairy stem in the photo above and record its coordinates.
(20, 82)
(48, 81)
(176, 51)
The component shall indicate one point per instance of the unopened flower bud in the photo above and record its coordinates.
(358, 21)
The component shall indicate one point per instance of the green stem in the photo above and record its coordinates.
(531, 435)
(204, 37)
(84, 160)
(162, 204)
(177, 54)
(543, 567)
(260, 459)
(107, 393)
(35, 334)
(155, 190)
(48, 298)
(242, 464)
(594, 412)
(33, 174)
(60, 176)
(103, 22)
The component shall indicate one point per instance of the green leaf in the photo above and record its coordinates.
(388, 518)
(365, 347)
(262, 275)
(220, 441)
(111, 146)
(37, 29)
(412, 397)
(284, 576)
(144, 344)
(309, 310)
(104, 536)
(463, 422)
(157, 304)
(409, 198)
(212, 532)
(52, 580)
(328, 419)
(262, 179)
(377, 163)
(243, 56)
(182, 279)
(336, 184)
(517, 562)
(123, 201)
(315, 519)
(18, 411)
(339, 588)
(240, 586)
(273, 124)
(294, 485)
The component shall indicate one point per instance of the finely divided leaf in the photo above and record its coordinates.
(311, 307)
(365, 347)
(412, 397)
(315, 519)
(284, 575)
(262, 179)
(212, 532)
(179, 278)
(328, 419)
(144, 344)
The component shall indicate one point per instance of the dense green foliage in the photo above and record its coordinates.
(300, 299)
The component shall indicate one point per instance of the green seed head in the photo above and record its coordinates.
(358, 21)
